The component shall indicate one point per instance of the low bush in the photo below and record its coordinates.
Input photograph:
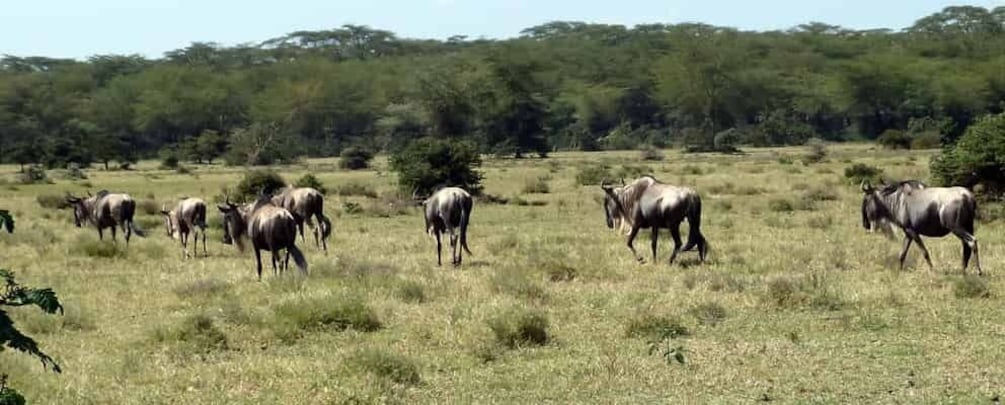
(355, 158)
(971, 287)
(309, 180)
(518, 327)
(355, 189)
(52, 201)
(859, 172)
(390, 366)
(650, 326)
(329, 313)
(195, 335)
(593, 175)
(536, 186)
(258, 181)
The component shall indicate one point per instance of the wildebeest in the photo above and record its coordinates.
(106, 210)
(268, 226)
(449, 209)
(923, 211)
(648, 203)
(306, 203)
(188, 217)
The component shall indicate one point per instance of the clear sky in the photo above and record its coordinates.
(79, 28)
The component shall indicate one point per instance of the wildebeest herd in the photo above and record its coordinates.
(272, 222)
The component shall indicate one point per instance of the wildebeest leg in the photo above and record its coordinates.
(275, 267)
(903, 252)
(286, 263)
(204, 252)
(113, 234)
(969, 246)
(258, 259)
(126, 231)
(631, 242)
(101, 234)
(300, 228)
(655, 238)
(184, 245)
(439, 248)
(675, 234)
(924, 250)
(453, 247)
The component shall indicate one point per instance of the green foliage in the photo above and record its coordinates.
(8, 395)
(816, 151)
(411, 291)
(393, 367)
(894, 139)
(537, 185)
(978, 157)
(329, 313)
(6, 221)
(34, 174)
(799, 291)
(102, 249)
(859, 172)
(261, 144)
(593, 175)
(353, 188)
(16, 295)
(427, 163)
(650, 326)
(651, 153)
(709, 313)
(195, 335)
(355, 158)
(169, 160)
(256, 182)
(517, 327)
(309, 180)
(971, 287)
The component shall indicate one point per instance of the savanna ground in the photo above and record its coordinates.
(797, 303)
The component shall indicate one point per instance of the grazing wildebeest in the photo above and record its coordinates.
(923, 211)
(106, 210)
(449, 209)
(306, 203)
(188, 217)
(648, 203)
(269, 227)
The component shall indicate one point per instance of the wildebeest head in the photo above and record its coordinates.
(234, 224)
(170, 222)
(875, 215)
(80, 209)
(612, 204)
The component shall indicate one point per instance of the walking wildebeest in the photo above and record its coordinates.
(447, 209)
(923, 211)
(648, 203)
(306, 203)
(106, 210)
(269, 227)
(188, 217)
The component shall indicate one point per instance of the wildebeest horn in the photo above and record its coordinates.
(622, 181)
(604, 186)
(866, 187)
(89, 193)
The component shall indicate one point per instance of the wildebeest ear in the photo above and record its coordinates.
(224, 208)
(866, 187)
(163, 212)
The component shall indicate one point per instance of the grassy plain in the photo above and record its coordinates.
(796, 304)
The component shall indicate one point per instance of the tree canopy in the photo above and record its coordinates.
(560, 85)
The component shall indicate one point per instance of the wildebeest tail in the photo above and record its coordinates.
(465, 216)
(298, 257)
(326, 225)
(200, 217)
(127, 213)
(694, 236)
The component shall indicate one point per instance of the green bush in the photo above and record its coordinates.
(334, 313)
(816, 151)
(308, 180)
(390, 366)
(971, 287)
(355, 189)
(169, 160)
(537, 185)
(650, 326)
(894, 139)
(926, 140)
(52, 201)
(90, 246)
(860, 172)
(429, 162)
(411, 291)
(519, 327)
(977, 157)
(197, 334)
(258, 181)
(355, 158)
(34, 174)
(651, 153)
(593, 175)
(709, 313)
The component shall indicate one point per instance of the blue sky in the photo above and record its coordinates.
(79, 28)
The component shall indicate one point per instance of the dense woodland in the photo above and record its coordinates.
(561, 85)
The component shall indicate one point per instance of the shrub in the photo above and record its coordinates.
(169, 161)
(411, 291)
(593, 175)
(894, 139)
(105, 249)
(860, 172)
(352, 208)
(517, 283)
(709, 313)
(52, 201)
(650, 326)
(794, 292)
(308, 180)
(977, 158)
(971, 287)
(816, 151)
(195, 335)
(926, 140)
(519, 327)
(536, 186)
(781, 205)
(430, 162)
(356, 189)
(651, 153)
(203, 288)
(149, 207)
(34, 174)
(355, 158)
(334, 312)
(74, 172)
(632, 172)
(258, 181)
(390, 366)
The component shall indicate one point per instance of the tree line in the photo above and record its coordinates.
(558, 86)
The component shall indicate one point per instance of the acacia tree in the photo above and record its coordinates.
(13, 294)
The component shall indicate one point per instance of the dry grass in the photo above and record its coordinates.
(807, 309)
